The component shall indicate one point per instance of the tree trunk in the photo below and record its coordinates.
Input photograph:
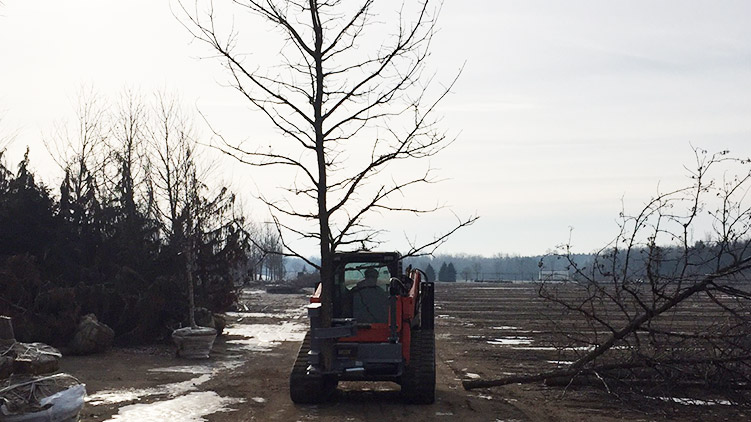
(191, 299)
(6, 329)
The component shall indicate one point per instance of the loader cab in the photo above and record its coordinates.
(361, 285)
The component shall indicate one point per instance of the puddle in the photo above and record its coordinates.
(189, 408)
(510, 341)
(263, 337)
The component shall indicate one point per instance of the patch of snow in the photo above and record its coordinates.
(472, 375)
(182, 401)
(133, 394)
(494, 288)
(505, 327)
(187, 369)
(263, 337)
(694, 402)
(444, 413)
(549, 348)
(510, 341)
(289, 314)
(211, 368)
(561, 362)
(482, 396)
(254, 292)
(189, 408)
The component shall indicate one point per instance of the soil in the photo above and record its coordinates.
(482, 330)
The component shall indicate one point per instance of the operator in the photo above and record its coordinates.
(371, 279)
(369, 300)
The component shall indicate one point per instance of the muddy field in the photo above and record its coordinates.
(483, 330)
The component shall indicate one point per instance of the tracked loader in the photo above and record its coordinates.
(382, 330)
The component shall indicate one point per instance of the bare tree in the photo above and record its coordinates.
(172, 161)
(124, 172)
(199, 223)
(351, 109)
(273, 261)
(80, 150)
(628, 308)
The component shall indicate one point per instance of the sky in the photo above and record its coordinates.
(566, 111)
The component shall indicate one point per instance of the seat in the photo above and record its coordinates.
(370, 304)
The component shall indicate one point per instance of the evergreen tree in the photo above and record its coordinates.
(442, 274)
(107, 248)
(27, 222)
(451, 272)
(430, 272)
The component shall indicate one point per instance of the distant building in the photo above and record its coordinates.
(554, 275)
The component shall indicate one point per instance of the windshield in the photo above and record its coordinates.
(362, 292)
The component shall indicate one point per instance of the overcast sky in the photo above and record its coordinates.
(564, 109)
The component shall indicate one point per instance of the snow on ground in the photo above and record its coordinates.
(263, 337)
(188, 408)
(506, 341)
(183, 402)
(694, 402)
(133, 394)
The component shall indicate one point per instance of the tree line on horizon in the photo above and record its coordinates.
(499, 267)
(505, 267)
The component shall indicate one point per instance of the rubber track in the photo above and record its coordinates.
(304, 388)
(418, 380)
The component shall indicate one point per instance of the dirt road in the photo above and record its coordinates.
(482, 330)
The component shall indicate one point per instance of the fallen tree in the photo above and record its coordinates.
(627, 299)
